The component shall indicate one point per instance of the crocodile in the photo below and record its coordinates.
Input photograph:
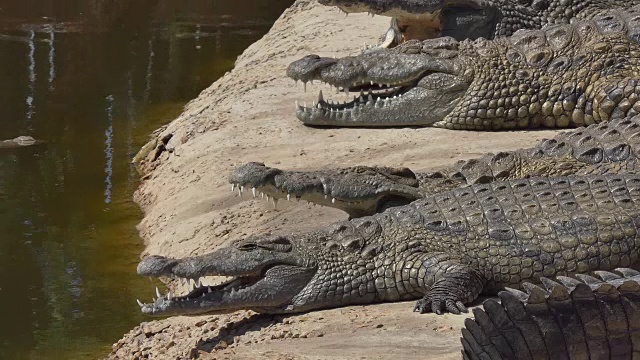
(562, 76)
(20, 141)
(471, 19)
(583, 318)
(445, 249)
(598, 149)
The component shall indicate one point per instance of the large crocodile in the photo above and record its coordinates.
(471, 19)
(446, 248)
(599, 149)
(561, 76)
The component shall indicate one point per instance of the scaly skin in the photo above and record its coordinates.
(445, 249)
(562, 76)
(598, 149)
(594, 318)
(472, 19)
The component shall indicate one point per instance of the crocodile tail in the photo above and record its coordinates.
(572, 318)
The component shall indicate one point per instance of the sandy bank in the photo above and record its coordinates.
(248, 116)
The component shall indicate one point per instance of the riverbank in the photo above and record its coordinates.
(248, 115)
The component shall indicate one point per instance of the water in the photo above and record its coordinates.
(93, 79)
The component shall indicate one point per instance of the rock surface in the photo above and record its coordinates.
(248, 115)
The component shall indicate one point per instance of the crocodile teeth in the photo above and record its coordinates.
(288, 197)
(333, 200)
(253, 191)
(233, 187)
(320, 97)
(158, 292)
(209, 290)
(140, 303)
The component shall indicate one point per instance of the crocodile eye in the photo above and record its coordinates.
(540, 4)
(248, 246)
(279, 243)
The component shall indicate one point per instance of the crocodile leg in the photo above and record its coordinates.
(454, 285)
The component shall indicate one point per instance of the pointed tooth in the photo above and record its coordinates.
(326, 196)
(372, 83)
(333, 200)
(319, 106)
(288, 197)
(253, 191)
(140, 303)
(209, 290)
(275, 203)
(158, 292)
(304, 104)
(320, 96)
(233, 187)
(169, 295)
(262, 195)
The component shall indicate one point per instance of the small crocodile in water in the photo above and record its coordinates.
(472, 19)
(20, 141)
(561, 76)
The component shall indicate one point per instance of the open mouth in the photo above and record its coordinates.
(370, 95)
(200, 295)
(422, 20)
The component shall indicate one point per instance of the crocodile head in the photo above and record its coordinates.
(417, 83)
(359, 190)
(427, 19)
(266, 274)
(326, 268)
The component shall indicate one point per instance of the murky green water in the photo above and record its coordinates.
(93, 78)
